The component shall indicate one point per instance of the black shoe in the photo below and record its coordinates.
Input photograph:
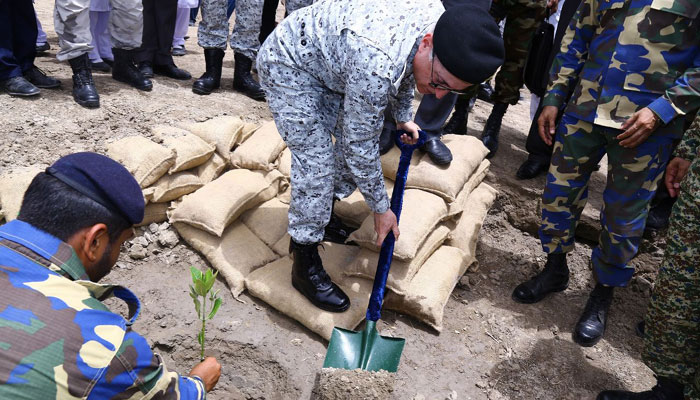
(660, 213)
(493, 128)
(172, 71)
(39, 79)
(640, 328)
(242, 79)
(100, 66)
(553, 278)
(125, 70)
(386, 140)
(485, 92)
(336, 231)
(531, 168)
(211, 79)
(146, 69)
(591, 326)
(311, 280)
(84, 91)
(108, 61)
(665, 389)
(438, 152)
(458, 121)
(42, 48)
(20, 87)
(179, 51)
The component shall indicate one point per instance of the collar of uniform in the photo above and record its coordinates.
(42, 248)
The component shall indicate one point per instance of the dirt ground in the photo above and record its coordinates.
(490, 348)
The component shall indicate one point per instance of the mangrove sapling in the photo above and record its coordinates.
(202, 284)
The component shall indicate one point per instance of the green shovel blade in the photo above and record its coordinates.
(365, 350)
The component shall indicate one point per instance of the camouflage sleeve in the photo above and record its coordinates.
(574, 51)
(402, 106)
(690, 144)
(137, 373)
(682, 97)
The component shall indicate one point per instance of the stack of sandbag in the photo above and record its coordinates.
(13, 184)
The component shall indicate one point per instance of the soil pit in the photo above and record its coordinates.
(340, 384)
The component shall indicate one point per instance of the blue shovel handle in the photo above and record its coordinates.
(374, 309)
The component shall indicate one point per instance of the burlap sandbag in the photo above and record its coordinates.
(12, 187)
(171, 187)
(465, 234)
(155, 212)
(272, 284)
(268, 221)
(235, 254)
(213, 207)
(260, 151)
(211, 169)
(430, 289)
(248, 130)
(191, 151)
(401, 272)
(281, 247)
(285, 163)
(444, 180)
(353, 209)
(223, 132)
(421, 212)
(475, 180)
(147, 161)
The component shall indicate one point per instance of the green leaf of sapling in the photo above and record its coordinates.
(217, 304)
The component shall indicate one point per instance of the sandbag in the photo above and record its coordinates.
(191, 151)
(421, 212)
(211, 169)
(445, 181)
(248, 130)
(213, 207)
(285, 163)
(272, 284)
(401, 272)
(235, 254)
(171, 187)
(145, 160)
(465, 234)
(353, 209)
(12, 187)
(268, 221)
(281, 247)
(456, 207)
(260, 151)
(223, 132)
(430, 289)
(154, 212)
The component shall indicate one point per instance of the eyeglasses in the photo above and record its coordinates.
(440, 86)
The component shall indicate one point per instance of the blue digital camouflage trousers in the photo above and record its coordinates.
(632, 178)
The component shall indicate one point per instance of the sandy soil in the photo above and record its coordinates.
(491, 347)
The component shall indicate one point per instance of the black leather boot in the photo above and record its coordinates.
(19, 87)
(336, 231)
(532, 167)
(591, 326)
(438, 152)
(146, 68)
(172, 71)
(386, 140)
(211, 78)
(311, 280)
(84, 91)
(665, 389)
(493, 128)
(458, 121)
(485, 92)
(125, 70)
(39, 79)
(553, 278)
(242, 79)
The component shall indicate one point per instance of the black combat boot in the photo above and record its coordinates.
(553, 278)
(242, 79)
(493, 128)
(336, 231)
(386, 140)
(125, 70)
(485, 92)
(211, 78)
(84, 91)
(591, 326)
(311, 280)
(458, 121)
(665, 389)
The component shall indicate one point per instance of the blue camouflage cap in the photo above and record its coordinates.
(104, 181)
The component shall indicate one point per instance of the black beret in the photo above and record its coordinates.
(468, 43)
(103, 180)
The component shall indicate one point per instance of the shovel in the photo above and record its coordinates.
(368, 350)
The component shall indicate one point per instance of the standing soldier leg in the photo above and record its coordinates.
(212, 35)
(522, 19)
(126, 29)
(245, 42)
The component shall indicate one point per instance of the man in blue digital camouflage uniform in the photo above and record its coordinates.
(57, 340)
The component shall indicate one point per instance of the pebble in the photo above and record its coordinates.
(153, 227)
(137, 252)
(296, 342)
(164, 226)
(140, 240)
(168, 238)
(419, 397)
(481, 384)
(452, 395)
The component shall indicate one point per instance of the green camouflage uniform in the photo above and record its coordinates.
(672, 341)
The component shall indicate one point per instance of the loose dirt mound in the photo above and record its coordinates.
(339, 384)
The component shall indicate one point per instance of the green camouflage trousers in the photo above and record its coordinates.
(632, 179)
(672, 329)
(522, 19)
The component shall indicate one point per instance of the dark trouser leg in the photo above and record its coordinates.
(166, 12)
(18, 32)
(268, 19)
(149, 42)
(433, 112)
